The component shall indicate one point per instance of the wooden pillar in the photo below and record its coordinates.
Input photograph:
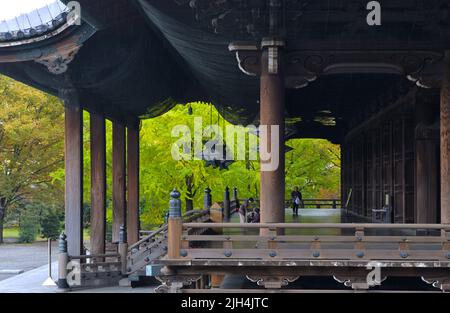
(119, 178)
(133, 185)
(352, 175)
(445, 142)
(364, 209)
(123, 249)
(98, 184)
(426, 163)
(175, 226)
(63, 260)
(74, 179)
(343, 174)
(272, 113)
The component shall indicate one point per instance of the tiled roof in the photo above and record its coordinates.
(34, 23)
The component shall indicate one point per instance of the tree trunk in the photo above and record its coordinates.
(1, 230)
(189, 200)
(189, 194)
(2, 218)
(189, 204)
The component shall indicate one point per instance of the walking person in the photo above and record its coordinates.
(297, 200)
(243, 210)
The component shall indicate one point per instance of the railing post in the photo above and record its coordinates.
(334, 203)
(63, 260)
(226, 204)
(123, 248)
(175, 226)
(446, 235)
(207, 200)
(359, 242)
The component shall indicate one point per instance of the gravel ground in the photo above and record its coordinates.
(24, 257)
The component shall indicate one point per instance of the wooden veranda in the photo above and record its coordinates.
(311, 68)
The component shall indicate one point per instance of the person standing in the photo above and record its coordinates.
(243, 210)
(297, 200)
(255, 216)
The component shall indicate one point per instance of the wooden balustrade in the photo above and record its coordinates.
(307, 203)
(362, 242)
(154, 244)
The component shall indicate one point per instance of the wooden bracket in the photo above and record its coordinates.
(441, 282)
(272, 282)
(174, 284)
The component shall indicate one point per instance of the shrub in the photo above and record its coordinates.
(86, 215)
(108, 231)
(28, 225)
(50, 225)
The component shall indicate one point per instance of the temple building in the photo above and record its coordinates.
(373, 78)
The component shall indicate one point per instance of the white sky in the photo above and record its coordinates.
(12, 8)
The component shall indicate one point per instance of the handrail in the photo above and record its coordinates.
(317, 225)
(153, 234)
(306, 202)
(192, 212)
(91, 256)
(164, 228)
(304, 199)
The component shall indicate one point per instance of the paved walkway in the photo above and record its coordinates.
(24, 268)
(31, 282)
(23, 257)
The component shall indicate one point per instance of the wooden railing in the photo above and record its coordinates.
(90, 270)
(321, 203)
(98, 263)
(394, 242)
(154, 245)
(307, 203)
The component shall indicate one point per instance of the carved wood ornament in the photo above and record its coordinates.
(304, 67)
(58, 62)
(272, 282)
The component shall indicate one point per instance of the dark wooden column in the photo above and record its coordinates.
(445, 142)
(133, 185)
(272, 90)
(119, 180)
(426, 162)
(98, 184)
(74, 179)
(342, 178)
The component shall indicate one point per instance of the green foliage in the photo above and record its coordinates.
(314, 166)
(160, 172)
(109, 231)
(50, 224)
(86, 215)
(32, 167)
(31, 146)
(11, 232)
(29, 225)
